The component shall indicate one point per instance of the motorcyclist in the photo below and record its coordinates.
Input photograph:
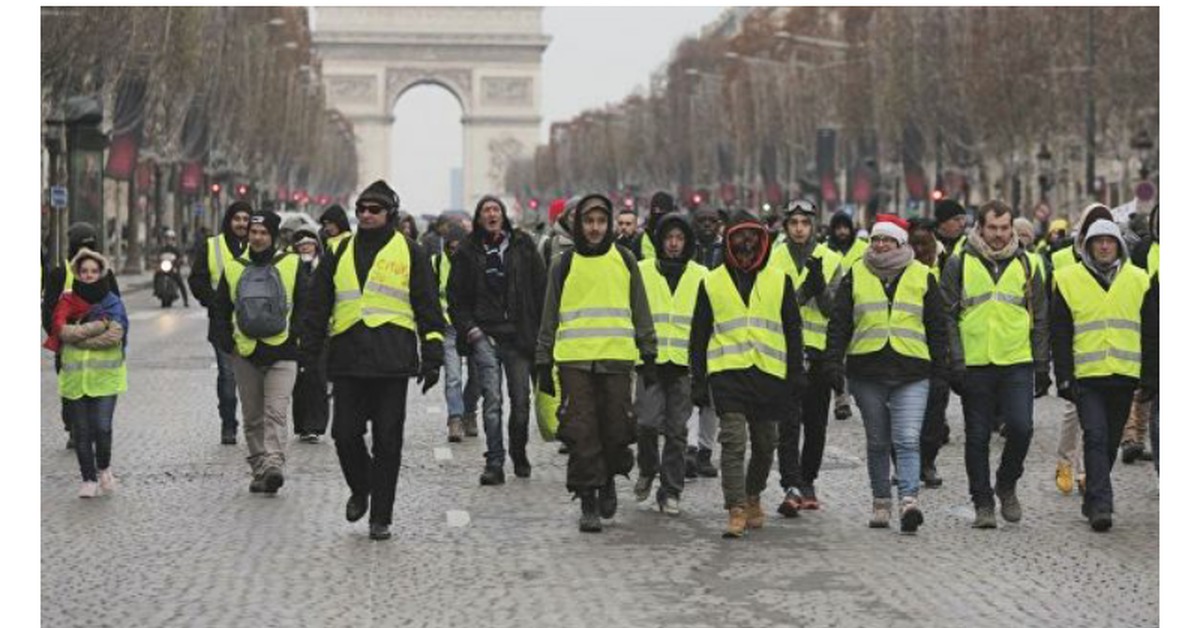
(169, 246)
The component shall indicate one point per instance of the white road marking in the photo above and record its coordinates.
(442, 454)
(457, 518)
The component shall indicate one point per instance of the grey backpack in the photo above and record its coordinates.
(262, 307)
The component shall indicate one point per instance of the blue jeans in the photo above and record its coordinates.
(226, 391)
(892, 415)
(490, 355)
(1011, 389)
(459, 400)
(91, 422)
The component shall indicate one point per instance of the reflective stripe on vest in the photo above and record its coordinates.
(91, 372)
(595, 317)
(672, 311)
(994, 324)
(219, 258)
(383, 298)
(900, 324)
(816, 324)
(286, 266)
(1152, 260)
(1108, 338)
(746, 336)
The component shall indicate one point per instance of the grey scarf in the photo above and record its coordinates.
(887, 266)
(975, 239)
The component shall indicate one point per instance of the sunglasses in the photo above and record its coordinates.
(372, 209)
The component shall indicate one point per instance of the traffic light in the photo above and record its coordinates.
(215, 189)
(242, 190)
(938, 195)
(533, 204)
(629, 201)
(696, 198)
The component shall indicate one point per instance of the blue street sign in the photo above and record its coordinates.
(58, 196)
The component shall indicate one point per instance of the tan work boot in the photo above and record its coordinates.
(456, 429)
(470, 427)
(754, 513)
(881, 514)
(1064, 477)
(737, 523)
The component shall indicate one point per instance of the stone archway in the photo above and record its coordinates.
(488, 58)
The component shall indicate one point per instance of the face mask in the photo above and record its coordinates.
(307, 257)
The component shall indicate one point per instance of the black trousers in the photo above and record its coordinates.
(800, 466)
(310, 401)
(1103, 408)
(935, 430)
(382, 402)
(598, 426)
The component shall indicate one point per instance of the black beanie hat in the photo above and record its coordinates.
(948, 208)
(268, 219)
(337, 215)
(80, 235)
(380, 192)
(663, 202)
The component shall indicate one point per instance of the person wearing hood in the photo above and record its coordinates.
(843, 240)
(595, 327)
(264, 366)
(889, 321)
(310, 398)
(1104, 337)
(815, 271)
(663, 406)
(709, 224)
(496, 287)
(88, 332)
(60, 280)
(376, 299)
(661, 204)
(210, 259)
(558, 240)
(951, 227)
(408, 226)
(746, 352)
(999, 353)
(1070, 435)
(1133, 441)
(335, 226)
(461, 401)
(935, 432)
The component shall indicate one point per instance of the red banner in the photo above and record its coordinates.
(122, 156)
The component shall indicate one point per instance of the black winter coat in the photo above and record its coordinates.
(516, 313)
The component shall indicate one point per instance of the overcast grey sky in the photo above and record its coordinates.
(598, 55)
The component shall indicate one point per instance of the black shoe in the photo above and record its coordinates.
(521, 466)
(258, 484)
(690, 468)
(356, 507)
(492, 476)
(608, 499)
(380, 532)
(842, 413)
(704, 465)
(272, 479)
(1132, 452)
(1101, 521)
(70, 440)
(589, 519)
(930, 477)
(228, 437)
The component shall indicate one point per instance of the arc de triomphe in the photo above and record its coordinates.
(490, 59)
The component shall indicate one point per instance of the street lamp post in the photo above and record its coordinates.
(1144, 147)
(54, 146)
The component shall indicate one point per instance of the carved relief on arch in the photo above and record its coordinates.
(502, 151)
(358, 88)
(458, 81)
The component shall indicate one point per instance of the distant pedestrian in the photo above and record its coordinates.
(335, 227)
(88, 331)
(310, 395)
(661, 204)
(462, 394)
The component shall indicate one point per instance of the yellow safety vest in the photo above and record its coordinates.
(1063, 258)
(901, 323)
(1152, 260)
(994, 324)
(91, 372)
(1036, 264)
(333, 241)
(595, 316)
(854, 254)
(69, 282)
(747, 335)
(816, 324)
(383, 299)
(672, 311)
(648, 251)
(1108, 324)
(286, 265)
(442, 265)
(219, 258)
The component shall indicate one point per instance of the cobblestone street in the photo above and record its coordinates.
(183, 543)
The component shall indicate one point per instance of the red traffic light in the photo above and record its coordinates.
(696, 199)
(242, 190)
(628, 201)
(215, 188)
(533, 203)
(937, 195)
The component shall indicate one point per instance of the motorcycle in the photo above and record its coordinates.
(165, 288)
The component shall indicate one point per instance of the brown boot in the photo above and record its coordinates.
(754, 513)
(737, 523)
(455, 426)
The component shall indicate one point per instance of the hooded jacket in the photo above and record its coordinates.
(841, 246)
(79, 235)
(672, 269)
(1062, 329)
(199, 279)
(708, 254)
(387, 351)
(1140, 255)
(643, 321)
(661, 204)
(337, 215)
(512, 313)
(748, 391)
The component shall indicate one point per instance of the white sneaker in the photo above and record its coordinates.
(669, 505)
(108, 483)
(87, 489)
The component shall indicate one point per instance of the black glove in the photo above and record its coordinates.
(648, 373)
(429, 378)
(1066, 391)
(700, 397)
(1041, 384)
(814, 283)
(955, 378)
(834, 373)
(545, 379)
